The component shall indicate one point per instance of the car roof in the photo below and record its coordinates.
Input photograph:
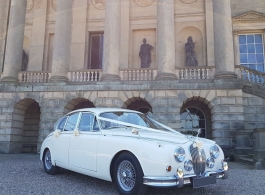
(100, 110)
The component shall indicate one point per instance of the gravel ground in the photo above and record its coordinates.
(24, 174)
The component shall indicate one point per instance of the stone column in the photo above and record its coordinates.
(223, 40)
(62, 41)
(111, 55)
(14, 45)
(165, 40)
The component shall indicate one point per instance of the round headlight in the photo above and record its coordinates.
(188, 165)
(179, 154)
(214, 151)
(210, 163)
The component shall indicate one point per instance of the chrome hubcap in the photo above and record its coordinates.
(126, 175)
(48, 160)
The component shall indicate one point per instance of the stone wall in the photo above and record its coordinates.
(254, 112)
(242, 6)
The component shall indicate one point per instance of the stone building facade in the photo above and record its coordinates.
(85, 53)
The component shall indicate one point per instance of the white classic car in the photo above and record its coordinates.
(131, 150)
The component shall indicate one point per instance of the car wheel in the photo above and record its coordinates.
(47, 164)
(128, 175)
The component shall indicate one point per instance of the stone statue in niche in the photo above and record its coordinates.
(24, 61)
(191, 59)
(145, 54)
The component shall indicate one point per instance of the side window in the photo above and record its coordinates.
(59, 125)
(71, 122)
(87, 122)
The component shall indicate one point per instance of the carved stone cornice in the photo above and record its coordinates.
(144, 3)
(188, 1)
(251, 16)
(30, 4)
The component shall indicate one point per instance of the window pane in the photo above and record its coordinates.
(258, 38)
(243, 58)
(252, 66)
(259, 48)
(242, 39)
(251, 58)
(243, 48)
(260, 67)
(96, 51)
(251, 48)
(250, 38)
(260, 57)
(71, 122)
(86, 122)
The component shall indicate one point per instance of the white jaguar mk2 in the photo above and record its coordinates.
(131, 150)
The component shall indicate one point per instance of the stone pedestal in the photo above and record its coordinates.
(14, 44)
(259, 148)
(62, 41)
(111, 60)
(166, 40)
(223, 40)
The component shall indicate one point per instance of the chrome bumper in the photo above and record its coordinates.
(179, 180)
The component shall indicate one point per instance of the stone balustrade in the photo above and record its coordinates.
(250, 75)
(195, 73)
(138, 74)
(34, 77)
(83, 76)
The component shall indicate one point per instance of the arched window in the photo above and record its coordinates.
(193, 119)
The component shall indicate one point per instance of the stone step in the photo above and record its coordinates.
(243, 150)
(251, 156)
(246, 161)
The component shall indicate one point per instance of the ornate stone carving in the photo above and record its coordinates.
(30, 4)
(99, 4)
(54, 4)
(251, 16)
(38, 4)
(188, 1)
(144, 3)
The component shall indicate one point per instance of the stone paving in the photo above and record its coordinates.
(23, 174)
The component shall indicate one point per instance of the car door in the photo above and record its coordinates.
(83, 145)
(62, 140)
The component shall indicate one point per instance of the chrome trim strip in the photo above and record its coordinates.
(174, 181)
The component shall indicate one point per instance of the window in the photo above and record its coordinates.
(95, 50)
(87, 122)
(252, 51)
(71, 122)
(60, 123)
(193, 119)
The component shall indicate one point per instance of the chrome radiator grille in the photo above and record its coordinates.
(198, 160)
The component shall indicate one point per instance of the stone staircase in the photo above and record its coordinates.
(244, 155)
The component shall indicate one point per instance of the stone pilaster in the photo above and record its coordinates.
(223, 40)
(79, 34)
(38, 36)
(165, 40)
(236, 48)
(14, 45)
(111, 54)
(62, 41)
